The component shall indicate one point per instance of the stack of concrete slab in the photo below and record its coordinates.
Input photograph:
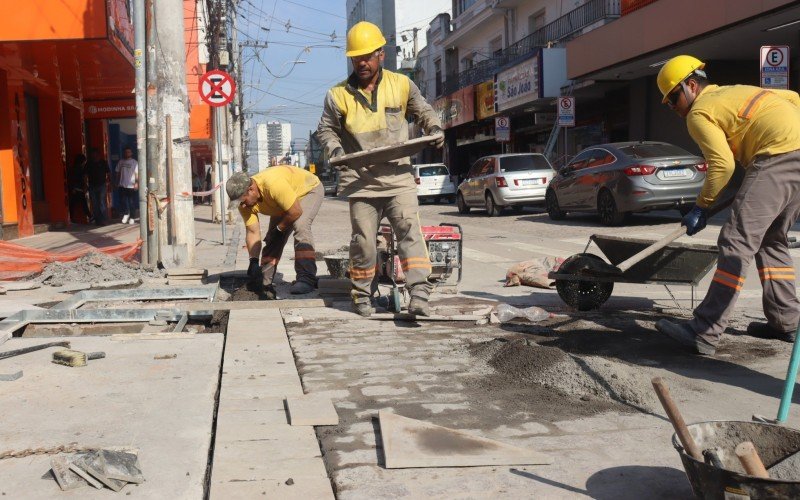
(189, 276)
(256, 451)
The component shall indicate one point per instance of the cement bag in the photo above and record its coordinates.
(533, 272)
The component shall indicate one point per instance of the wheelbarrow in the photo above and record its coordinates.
(674, 264)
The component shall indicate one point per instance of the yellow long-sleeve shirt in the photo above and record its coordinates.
(738, 123)
(280, 187)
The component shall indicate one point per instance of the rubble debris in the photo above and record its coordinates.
(291, 319)
(86, 476)
(94, 464)
(10, 377)
(122, 466)
(66, 478)
(93, 267)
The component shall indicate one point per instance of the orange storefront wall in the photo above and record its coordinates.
(29, 20)
(200, 114)
(17, 204)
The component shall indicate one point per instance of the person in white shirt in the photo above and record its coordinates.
(128, 182)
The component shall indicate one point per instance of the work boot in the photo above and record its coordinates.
(268, 292)
(364, 308)
(682, 334)
(301, 287)
(418, 306)
(764, 331)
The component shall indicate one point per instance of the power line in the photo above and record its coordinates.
(313, 8)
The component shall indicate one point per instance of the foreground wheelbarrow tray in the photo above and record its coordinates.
(773, 442)
(675, 264)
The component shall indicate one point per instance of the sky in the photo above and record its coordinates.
(287, 80)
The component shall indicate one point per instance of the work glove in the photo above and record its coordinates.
(695, 220)
(438, 143)
(254, 269)
(337, 151)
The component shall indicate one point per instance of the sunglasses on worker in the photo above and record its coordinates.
(672, 97)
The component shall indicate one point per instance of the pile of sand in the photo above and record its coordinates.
(527, 362)
(94, 267)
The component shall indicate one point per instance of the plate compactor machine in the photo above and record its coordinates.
(445, 247)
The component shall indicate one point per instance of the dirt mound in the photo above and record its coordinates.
(527, 362)
(94, 267)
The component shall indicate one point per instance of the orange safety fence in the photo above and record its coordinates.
(18, 261)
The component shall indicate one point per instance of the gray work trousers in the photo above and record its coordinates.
(766, 206)
(403, 213)
(305, 263)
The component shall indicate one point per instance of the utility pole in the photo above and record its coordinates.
(151, 158)
(174, 103)
(238, 165)
(219, 60)
(140, 38)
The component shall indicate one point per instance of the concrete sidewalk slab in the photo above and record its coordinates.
(128, 399)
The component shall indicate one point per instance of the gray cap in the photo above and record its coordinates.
(237, 185)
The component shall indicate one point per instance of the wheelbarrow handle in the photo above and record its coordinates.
(666, 240)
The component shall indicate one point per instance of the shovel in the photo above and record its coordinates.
(598, 268)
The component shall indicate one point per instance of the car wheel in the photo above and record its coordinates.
(462, 205)
(607, 209)
(492, 209)
(553, 210)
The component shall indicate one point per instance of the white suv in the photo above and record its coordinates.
(434, 182)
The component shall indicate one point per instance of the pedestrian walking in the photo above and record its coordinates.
(77, 190)
(196, 187)
(291, 197)
(128, 183)
(760, 129)
(366, 111)
(98, 175)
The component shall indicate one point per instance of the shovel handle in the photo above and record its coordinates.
(748, 456)
(677, 419)
(655, 247)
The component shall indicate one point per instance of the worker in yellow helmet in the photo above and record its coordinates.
(366, 111)
(760, 129)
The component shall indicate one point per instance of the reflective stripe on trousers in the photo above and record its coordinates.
(402, 211)
(766, 206)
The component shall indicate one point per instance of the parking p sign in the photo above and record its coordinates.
(775, 67)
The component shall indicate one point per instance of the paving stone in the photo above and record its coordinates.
(311, 410)
(383, 390)
(301, 488)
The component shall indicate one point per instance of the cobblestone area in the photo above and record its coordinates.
(427, 372)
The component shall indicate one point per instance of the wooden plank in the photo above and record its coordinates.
(409, 443)
(311, 409)
(187, 271)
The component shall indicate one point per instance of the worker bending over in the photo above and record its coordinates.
(761, 129)
(291, 197)
(366, 111)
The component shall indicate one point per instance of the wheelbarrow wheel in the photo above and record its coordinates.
(582, 295)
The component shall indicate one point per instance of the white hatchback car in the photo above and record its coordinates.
(434, 182)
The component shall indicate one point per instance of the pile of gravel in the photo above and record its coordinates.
(94, 267)
(527, 362)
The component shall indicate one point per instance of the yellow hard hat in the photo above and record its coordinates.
(675, 71)
(364, 38)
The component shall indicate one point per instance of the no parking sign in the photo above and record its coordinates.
(775, 67)
(566, 111)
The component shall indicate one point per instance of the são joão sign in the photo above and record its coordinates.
(517, 85)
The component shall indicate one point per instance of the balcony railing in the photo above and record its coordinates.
(560, 30)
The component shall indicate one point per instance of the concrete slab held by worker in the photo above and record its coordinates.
(366, 111)
(760, 129)
(291, 197)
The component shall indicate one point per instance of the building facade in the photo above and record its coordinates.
(66, 75)
(503, 59)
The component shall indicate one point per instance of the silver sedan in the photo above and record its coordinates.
(614, 180)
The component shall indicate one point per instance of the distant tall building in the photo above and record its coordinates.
(279, 139)
(260, 149)
(381, 14)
